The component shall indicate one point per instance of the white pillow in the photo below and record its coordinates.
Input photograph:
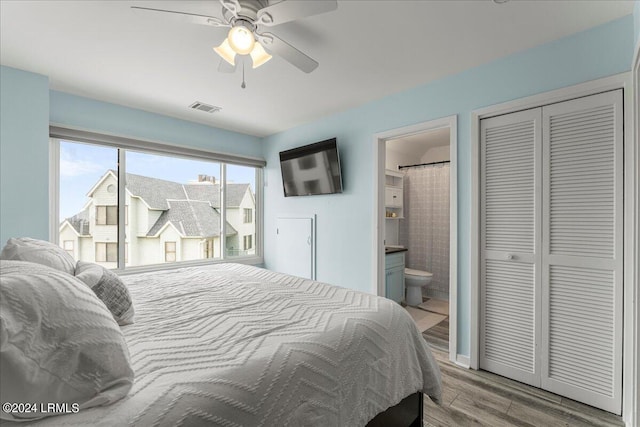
(58, 342)
(109, 288)
(40, 252)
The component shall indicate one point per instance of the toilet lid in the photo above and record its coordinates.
(412, 272)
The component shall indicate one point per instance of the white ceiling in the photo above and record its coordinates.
(366, 50)
(417, 145)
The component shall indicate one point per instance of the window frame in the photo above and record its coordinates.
(106, 214)
(208, 249)
(174, 251)
(248, 213)
(57, 134)
(245, 239)
(70, 251)
(106, 251)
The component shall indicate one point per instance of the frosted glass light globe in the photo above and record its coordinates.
(259, 56)
(241, 40)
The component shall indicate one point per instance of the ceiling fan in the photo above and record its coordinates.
(247, 20)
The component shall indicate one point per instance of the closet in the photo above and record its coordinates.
(551, 195)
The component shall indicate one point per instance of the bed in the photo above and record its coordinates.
(236, 345)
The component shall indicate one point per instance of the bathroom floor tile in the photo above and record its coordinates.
(424, 319)
(436, 306)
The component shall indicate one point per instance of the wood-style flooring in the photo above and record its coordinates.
(479, 398)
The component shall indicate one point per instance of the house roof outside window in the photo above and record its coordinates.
(193, 209)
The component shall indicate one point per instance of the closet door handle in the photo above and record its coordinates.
(510, 257)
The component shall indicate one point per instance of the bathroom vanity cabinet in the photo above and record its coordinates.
(394, 276)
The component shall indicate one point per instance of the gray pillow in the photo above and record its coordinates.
(109, 288)
(40, 252)
(58, 342)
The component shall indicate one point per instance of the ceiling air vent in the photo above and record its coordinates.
(204, 107)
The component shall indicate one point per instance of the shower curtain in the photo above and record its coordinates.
(424, 231)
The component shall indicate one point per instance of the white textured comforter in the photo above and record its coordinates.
(235, 345)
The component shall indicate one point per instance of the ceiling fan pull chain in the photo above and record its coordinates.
(243, 85)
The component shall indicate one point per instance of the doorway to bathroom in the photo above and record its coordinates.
(415, 237)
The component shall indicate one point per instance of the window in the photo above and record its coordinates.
(241, 205)
(106, 252)
(106, 215)
(67, 245)
(208, 249)
(248, 216)
(169, 251)
(248, 244)
(172, 201)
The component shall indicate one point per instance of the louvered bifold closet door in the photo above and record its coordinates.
(582, 250)
(510, 254)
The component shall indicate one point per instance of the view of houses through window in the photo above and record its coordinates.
(173, 207)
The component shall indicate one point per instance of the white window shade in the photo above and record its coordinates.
(160, 148)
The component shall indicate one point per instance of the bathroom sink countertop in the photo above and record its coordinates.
(392, 250)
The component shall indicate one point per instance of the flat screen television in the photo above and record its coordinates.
(311, 169)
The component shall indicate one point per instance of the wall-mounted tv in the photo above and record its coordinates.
(311, 169)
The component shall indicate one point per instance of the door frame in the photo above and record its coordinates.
(379, 166)
(619, 81)
(632, 401)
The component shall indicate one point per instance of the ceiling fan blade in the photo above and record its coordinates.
(287, 52)
(232, 6)
(191, 18)
(225, 67)
(289, 10)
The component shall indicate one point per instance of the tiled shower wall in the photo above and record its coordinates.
(424, 231)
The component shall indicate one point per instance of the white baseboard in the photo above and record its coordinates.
(462, 361)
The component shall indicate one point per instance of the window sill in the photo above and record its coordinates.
(252, 260)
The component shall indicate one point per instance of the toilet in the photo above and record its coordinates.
(415, 280)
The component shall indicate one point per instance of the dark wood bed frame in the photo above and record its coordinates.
(407, 413)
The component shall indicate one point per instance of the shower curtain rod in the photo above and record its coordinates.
(425, 164)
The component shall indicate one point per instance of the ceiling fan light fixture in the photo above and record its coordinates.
(226, 52)
(259, 56)
(241, 39)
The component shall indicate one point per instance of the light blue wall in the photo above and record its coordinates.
(24, 154)
(28, 106)
(636, 20)
(86, 113)
(344, 221)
